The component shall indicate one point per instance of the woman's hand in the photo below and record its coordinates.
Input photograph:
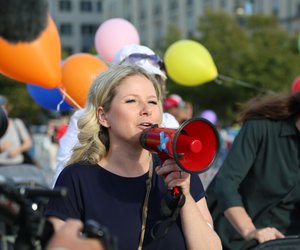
(14, 153)
(174, 176)
(264, 234)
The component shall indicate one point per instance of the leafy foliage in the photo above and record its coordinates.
(254, 56)
(21, 103)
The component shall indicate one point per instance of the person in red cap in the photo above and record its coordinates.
(180, 109)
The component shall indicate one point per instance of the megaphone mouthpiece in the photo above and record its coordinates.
(188, 144)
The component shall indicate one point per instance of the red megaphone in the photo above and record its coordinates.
(193, 145)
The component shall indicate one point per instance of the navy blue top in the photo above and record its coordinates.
(116, 202)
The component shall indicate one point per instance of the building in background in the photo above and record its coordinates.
(78, 20)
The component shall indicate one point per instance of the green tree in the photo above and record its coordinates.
(273, 62)
(173, 34)
(253, 55)
(21, 102)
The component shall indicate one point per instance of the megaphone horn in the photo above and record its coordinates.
(193, 145)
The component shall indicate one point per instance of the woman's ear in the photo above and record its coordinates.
(101, 116)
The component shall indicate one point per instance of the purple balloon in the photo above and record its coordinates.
(209, 115)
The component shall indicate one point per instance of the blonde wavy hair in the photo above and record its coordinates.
(93, 140)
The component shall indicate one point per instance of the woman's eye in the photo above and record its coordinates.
(153, 102)
(130, 100)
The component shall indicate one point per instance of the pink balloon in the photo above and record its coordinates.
(114, 34)
(296, 85)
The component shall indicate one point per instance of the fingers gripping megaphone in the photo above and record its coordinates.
(193, 145)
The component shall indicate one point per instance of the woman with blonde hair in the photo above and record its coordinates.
(113, 180)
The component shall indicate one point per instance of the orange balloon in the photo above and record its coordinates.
(78, 73)
(36, 62)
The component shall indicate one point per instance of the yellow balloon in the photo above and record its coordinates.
(189, 63)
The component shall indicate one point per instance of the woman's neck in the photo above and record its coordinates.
(127, 165)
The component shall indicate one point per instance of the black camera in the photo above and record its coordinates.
(23, 225)
(92, 229)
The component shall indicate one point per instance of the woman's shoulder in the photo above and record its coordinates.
(257, 125)
(77, 172)
(265, 125)
(79, 168)
(257, 122)
(18, 122)
(264, 121)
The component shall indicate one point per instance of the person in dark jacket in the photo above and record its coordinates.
(256, 194)
(113, 180)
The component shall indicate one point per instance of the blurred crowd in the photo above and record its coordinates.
(43, 140)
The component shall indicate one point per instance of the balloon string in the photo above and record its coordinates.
(70, 98)
(60, 103)
(221, 78)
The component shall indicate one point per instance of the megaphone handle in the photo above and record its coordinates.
(176, 191)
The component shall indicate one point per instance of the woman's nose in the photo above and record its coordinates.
(146, 109)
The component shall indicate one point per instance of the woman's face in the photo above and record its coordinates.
(134, 108)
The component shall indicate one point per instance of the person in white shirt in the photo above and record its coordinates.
(15, 141)
(132, 54)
